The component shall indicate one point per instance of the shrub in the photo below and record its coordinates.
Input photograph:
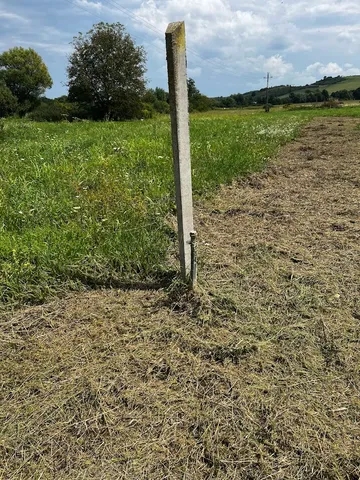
(161, 106)
(8, 102)
(267, 107)
(51, 112)
(147, 110)
(331, 104)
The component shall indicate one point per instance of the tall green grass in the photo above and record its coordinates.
(87, 203)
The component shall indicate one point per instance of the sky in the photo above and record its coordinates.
(232, 44)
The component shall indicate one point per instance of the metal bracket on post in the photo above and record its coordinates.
(179, 110)
(193, 272)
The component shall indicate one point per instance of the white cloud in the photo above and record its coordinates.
(206, 20)
(231, 43)
(237, 34)
(194, 72)
(338, 8)
(316, 9)
(232, 38)
(116, 9)
(278, 66)
(92, 6)
(331, 69)
(59, 48)
(350, 36)
(12, 17)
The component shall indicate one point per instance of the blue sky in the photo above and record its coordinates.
(231, 43)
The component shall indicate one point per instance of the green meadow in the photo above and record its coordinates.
(86, 204)
(349, 83)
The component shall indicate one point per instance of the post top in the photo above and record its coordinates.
(172, 27)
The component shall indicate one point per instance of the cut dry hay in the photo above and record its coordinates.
(255, 377)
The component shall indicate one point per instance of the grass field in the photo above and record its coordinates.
(349, 83)
(88, 204)
(255, 376)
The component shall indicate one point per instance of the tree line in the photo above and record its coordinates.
(285, 94)
(106, 81)
(317, 96)
(239, 100)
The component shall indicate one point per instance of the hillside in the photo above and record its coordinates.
(331, 84)
(347, 83)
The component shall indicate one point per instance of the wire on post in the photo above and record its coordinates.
(193, 271)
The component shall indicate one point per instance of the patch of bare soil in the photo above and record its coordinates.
(255, 377)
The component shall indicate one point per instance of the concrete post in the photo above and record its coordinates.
(179, 109)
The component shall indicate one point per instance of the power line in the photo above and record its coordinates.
(149, 26)
(101, 19)
(134, 16)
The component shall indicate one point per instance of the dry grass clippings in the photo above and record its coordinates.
(256, 376)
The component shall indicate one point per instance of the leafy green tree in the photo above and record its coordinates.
(161, 106)
(197, 101)
(356, 94)
(149, 96)
(275, 100)
(158, 99)
(202, 103)
(319, 96)
(239, 99)
(261, 100)
(342, 94)
(193, 92)
(325, 95)
(161, 94)
(106, 73)
(229, 102)
(311, 97)
(8, 103)
(294, 98)
(25, 75)
(62, 99)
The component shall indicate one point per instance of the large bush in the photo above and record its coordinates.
(53, 111)
(8, 102)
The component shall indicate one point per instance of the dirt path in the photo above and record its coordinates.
(257, 377)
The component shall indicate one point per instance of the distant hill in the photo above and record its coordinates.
(340, 88)
(348, 83)
(331, 84)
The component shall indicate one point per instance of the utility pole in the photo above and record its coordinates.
(268, 76)
(267, 87)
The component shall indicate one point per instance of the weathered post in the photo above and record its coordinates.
(179, 108)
